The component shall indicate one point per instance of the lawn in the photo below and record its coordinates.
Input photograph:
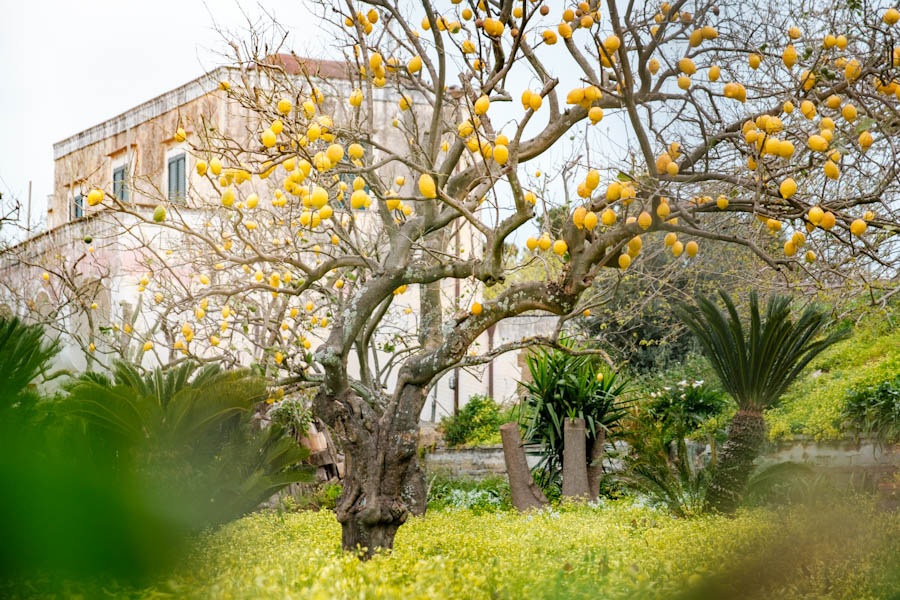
(620, 550)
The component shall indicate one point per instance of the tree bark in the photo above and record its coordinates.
(746, 435)
(595, 467)
(574, 472)
(524, 491)
(383, 484)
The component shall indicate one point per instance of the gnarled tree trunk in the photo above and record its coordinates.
(383, 484)
(746, 435)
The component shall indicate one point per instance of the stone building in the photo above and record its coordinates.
(95, 285)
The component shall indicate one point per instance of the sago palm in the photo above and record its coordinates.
(188, 433)
(755, 364)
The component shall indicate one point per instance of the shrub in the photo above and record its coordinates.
(658, 464)
(478, 422)
(188, 435)
(566, 385)
(480, 495)
(875, 409)
(814, 404)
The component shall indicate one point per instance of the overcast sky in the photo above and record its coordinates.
(65, 66)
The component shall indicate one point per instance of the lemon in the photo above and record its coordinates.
(147, 346)
(228, 197)
(476, 308)
(159, 214)
(645, 220)
(180, 135)
(858, 227)
(815, 215)
(501, 154)
(268, 138)
(414, 65)
(608, 217)
(427, 186)
(691, 249)
(560, 247)
(624, 261)
(590, 220)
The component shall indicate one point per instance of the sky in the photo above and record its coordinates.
(66, 66)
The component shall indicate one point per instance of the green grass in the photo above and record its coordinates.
(620, 551)
(813, 404)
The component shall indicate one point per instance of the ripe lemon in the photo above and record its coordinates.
(858, 227)
(560, 247)
(427, 186)
(476, 308)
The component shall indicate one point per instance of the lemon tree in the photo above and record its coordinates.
(331, 243)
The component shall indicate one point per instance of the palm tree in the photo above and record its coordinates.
(755, 367)
(189, 434)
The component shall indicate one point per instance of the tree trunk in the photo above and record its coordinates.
(524, 491)
(595, 467)
(574, 472)
(383, 484)
(746, 435)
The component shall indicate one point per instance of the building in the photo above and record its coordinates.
(94, 291)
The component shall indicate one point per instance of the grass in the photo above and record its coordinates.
(813, 404)
(618, 551)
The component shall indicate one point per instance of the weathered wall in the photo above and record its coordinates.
(840, 459)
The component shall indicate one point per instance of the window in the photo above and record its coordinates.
(78, 207)
(177, 182)
(120, 189)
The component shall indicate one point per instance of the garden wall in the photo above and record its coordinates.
(840, 458)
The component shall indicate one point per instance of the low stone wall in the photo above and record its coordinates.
(841, 458)
(476, 462)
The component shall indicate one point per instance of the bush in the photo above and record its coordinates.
(814, 404)
(480, 495)
(658, 464)
(875, 410)
(478, 422)
(567, 385)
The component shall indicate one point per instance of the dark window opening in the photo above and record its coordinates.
(177, 181)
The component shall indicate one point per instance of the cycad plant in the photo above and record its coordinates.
(756, 363)
(566, 385)
(189, 434)
(24, 355)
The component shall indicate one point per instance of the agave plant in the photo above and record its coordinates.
(566, 385)
(755, 364)
(189, 431)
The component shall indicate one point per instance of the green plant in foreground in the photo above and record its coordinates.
(755, 362)
(620, 551)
